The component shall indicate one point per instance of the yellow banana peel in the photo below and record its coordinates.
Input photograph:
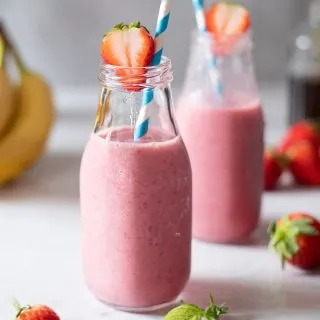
(6, 94)
(25, 141)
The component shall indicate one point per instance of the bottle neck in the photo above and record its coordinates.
(231, 75)
(226, 46)
(135, 79)
(130, 96)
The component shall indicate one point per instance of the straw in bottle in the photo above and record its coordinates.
(212, 61)
(142, 123)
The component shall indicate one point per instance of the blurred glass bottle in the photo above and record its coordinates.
(304, 69)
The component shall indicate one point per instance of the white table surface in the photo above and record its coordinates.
(40, 239)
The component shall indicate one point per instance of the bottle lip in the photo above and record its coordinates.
(211, 35)
(238, 42)
(136, 77)
(165, 63)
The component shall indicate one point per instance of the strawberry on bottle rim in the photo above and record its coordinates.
(131, 48)
(227, 22)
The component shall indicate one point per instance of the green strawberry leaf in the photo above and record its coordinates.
(120, 26)
(135, 24)
(309, 230)
(272, 228)
(300, 221)
(302, 226)
(284, 250)
(291, 246)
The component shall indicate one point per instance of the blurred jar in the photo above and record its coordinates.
(304, 69)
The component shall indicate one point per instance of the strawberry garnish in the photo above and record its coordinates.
(304, 163)
(296, 238)
(37, 312)
(305, 130)
(227, 19)
(227, 23)
(274, 165)
(129, 46)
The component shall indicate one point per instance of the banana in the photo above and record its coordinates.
(6, 94)
(25, 143)
(25, 140)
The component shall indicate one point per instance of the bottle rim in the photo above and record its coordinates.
(233, 43)
(136, 78)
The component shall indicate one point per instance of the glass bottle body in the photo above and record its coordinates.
(136, 197)
(224, 139)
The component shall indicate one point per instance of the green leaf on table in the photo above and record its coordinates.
(192, 312)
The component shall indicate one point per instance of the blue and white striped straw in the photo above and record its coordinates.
(142, 124)
(212, 61)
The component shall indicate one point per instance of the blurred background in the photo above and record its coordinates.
(61, 41)
(61, 38)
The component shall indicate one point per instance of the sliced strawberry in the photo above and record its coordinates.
(128, 46)
(228, 19)
(227, 22)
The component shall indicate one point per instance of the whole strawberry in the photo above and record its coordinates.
(274, 165)
(306, 130)
(304, 163)
(36, 312)
(296, 239)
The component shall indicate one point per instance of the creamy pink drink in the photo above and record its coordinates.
(136, 217)
(221, 123)
(225, 147)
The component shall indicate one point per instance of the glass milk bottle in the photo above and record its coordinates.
(224, 139)
(304, 69)
(136, 196)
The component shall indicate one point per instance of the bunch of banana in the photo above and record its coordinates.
(6, 93)
(25, 140)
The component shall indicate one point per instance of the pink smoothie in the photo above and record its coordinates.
(225, 147)
(136, 218)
